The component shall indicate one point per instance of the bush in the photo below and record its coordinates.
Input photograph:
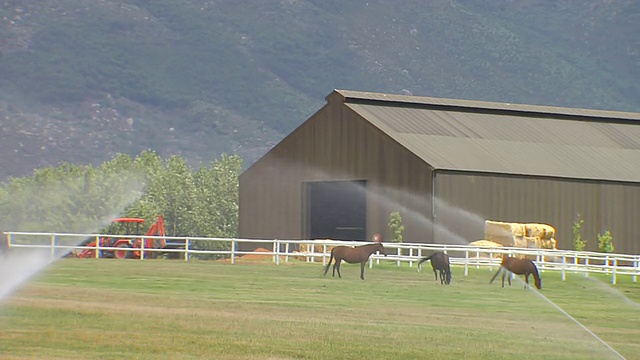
(605, 242)
(395, 224)
(578, 242)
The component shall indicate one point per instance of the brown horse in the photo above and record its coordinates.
(518, 266)
(352, 255)
(440, 264)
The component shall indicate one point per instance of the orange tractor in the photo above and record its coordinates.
(127, 246)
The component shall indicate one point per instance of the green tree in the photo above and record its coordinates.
(83, 198)
(217, 196)
(396, 226)
(578, 242)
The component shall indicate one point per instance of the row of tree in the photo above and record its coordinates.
(74, 198)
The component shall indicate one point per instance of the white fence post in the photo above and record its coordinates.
(411, 256)
(466, 263)
(233, 251)
(186, 249)
(586, 267)
(53, 246)
(324, 253)
(286, 251)
(97, 246)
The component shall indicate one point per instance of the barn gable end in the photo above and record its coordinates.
(447, 165)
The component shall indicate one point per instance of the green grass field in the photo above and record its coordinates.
(159, 309)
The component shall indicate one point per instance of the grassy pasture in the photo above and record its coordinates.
(158, 309)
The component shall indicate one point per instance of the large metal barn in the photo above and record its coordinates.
(446, 165)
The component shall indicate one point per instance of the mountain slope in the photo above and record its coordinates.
(82, 80)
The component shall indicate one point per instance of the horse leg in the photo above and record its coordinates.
(495, 275)
(362, 270)
(504, 273)
(526, 280)
(510, 276)
(338, 263)
(435, 272)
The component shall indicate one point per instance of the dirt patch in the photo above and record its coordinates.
(257, 255)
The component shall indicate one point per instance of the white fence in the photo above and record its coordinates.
(565, 261)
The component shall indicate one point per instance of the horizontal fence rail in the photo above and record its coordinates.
(565, 261)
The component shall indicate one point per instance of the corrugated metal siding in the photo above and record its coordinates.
(512, 144)
(466, 200)
(335, 144)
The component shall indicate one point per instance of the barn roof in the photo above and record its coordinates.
(487, 137)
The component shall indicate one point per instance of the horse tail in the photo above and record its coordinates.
(326, 268)
(496, 274)
(423, 260)
(536, 277)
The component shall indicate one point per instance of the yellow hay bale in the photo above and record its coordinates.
(518, 230)
(520, 241)
(526, 235)
(547, 244)
(502, 232)
(485, 243)
(543, 231)
(489, 244)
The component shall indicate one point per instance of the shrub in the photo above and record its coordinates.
(605, 242)
(578, 242)
(396, 226)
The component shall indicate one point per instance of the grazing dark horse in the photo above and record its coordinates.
(518, 266)
(440, 264)
(352, 255)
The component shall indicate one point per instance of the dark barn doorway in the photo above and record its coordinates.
(337, 210)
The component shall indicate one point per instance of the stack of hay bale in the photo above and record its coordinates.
(524, 235)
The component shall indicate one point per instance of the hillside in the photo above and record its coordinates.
(82, 80)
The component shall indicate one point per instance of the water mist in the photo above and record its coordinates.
(19, 265)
